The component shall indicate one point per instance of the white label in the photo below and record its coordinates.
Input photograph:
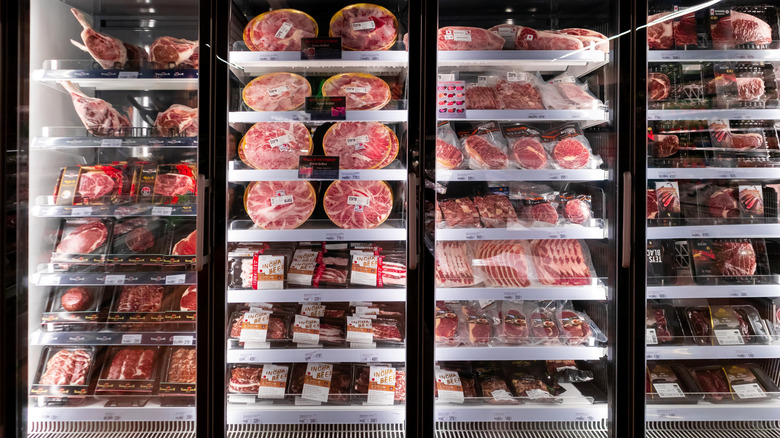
(280, 142)
(514, 76)
(474, 235)
(334, 236)
(183, 340)
(283, 29)
(750, 390)
(281, 200)
(50, 280)
(273, 92)
(302, 267)
(447, 77)
(668, 390)
(162, 211)
(114, 280)
(501, 395)
(744, 354)
(356, 90)
(485, 303)
(312, 297)
(482, 81)
(381, 385)
(461, 35)
(368, 419)
(651, 338)
(306, 330)
(131, 339)
(175, 279)
(358, 142)
(535, 394)
(359, 330)
(361, 201)
(316, 382)
(507, 31)
(364, 25)
(369, 357)
(254, 327)
(366, 312)
(307, 418)
(729, 337)
(314, 355)
(313, 310)
(81, 211)
(128, 75)
(269, 273)
(111, 142)
(272, 382)
(346, 175)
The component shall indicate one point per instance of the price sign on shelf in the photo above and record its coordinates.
(111, 142)
(175, 279)
(744, 353)
(334, 236)
(443, 416)
(501, 416)
(128, 75)
(700, 233)
(653, 354)
(313, 355)
(369, 357)
(368, 419)
(111, 416)
(349, 175)
(131, 339)
(162, 211)
(474, 235)
(513, 296)
(114, 280)
(582, 416)
(252, 418)
(665, 413)
(183, 340)
(81, 211)
(307, 419)
(50, 280)
(312, 297)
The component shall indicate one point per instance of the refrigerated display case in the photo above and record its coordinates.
(711, 219)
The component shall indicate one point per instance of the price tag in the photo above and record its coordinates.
(446, 77)
(727, 175)
(582, 416)
(501, 395)
(474, 235)
(312, 297)
(183, 416)
(750, 390)
(356, 90)
(369, 57)
(364, 25)
(464, 176)
(274, 92)
(111, 416)
(745, 354)
(81, 211)
(513, 296)
(175, 279)
(131, 339)
(651, 338)
(162, 211)
(128, 75)
(559, 176)
(312, 355)
(111, 142)
(114, 280)
(668, 390)
(537, 116)
(283, 29)
(369, 357)
(729, 337)
(368, 419)
(699, 233)
(248, 358)
(665, 413)
(50, 280)
(252, 418)
(557, 235)
(738, 293)
(307, 419)
(443, 416)
(652, 354)
(335, 236)
(349, 175)
(183, 340)
(501, 416)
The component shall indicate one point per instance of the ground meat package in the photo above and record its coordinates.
(576, 327)
(565, 92)
(520, 91)
(670, 383)
(525, 146)
(662, 325)
(483, 94)
(133, 369)
(569, 148)
(729, 261)
(75, 308)
(262, 267)
(736, 325)
(64, 375)
(485, 145)
(449, 153)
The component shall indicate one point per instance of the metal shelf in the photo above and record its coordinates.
(546, 60)
(714, 173)
(112, 80)
(531, 115)
(712, 55)
(284, 116)
(445, 175)
(56, 137)
(560, 232)
(703, 411)
(94, 410)
(112, 210)
(391, 230)
(316, 295)
(546, 352)
(366, 355)
(714, 231)
(281, 414)
(99, 278)
(246, 175)
(730, 291)
(522, 412)
(371, 61)
(595, 292)
(749, 351)
(706, 114)
(40, 337)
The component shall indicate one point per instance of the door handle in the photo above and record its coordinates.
(200, 258)
(627, 193)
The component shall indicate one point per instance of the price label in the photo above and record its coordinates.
(111, 416)
(313, 355)
(274, 92)
(183, 340)
(651, 338)
(669, 175)
(745, 354)
(307, 419)
(114, 280)
(128, 75)
(443, 416)
(474, 235)
(464, 176)
(369, 357)
(81, 211)
(162, 211)
(536, 116)
(369, 57)
(501, 416)
(349, 175)
(665, 413)
(111, 142)
(252, 418)
(248, 358)
(312, 298)
(750, 390)
(337, 236)
(729, 337)
(50, 280)
(283, 29)
(556, 235)
(582, 416)
(727, 175)
(183, 416)
(364, 25)
(175, 279)
(368, 419)
(738, 293)
(653, 117)
(698, 233)
(559, 176)
(653, 354)
(131, 339)
(513, 296)
(668, 390)
(446, 77)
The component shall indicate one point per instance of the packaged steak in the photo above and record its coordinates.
(261, 267)
(478, 323)
(728, 27)
(492, 385)
(520, 91)
(449, 154)
(737, 325)
(569, 148)
(483, 95)
(531, 382)
(660, 36)
(662, 325)
(184, 241)
(668, 196)
(75, 308)
(95, 185)
(257, 327)
(129, 370)
(663, 81)
(485, 146)
(179, 372)
(576, 327)
(574, 208)
(167, 184)
(538, 206)
(139, 240)
(729, 261)
(446, 326)
(544, 328)
(713, 382)
(244, 379)
(64, 375)
(671, 383)
(699, 324)
(751, 84)
(525, 146)
(378, 270)
(751, 203)
(180, 305)
(685, 30)
(565, 92)
(337, 378)
(388, 331)
(458, 213)
(81, 241)
(137, 308)
(513, 322)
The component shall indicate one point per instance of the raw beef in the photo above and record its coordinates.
(187, 245)
(482, 97)
(275, 145)
(576, 96)
(518, 95)
(178, 121)
(468, 38)
(740, 28)
(76, 299)
(183, 366)
(531, 39)
(358, 204)
(453, 265)
(168, 50)
(747, 141)
(174, 184)
(484, 153)
(365, 27)
(656, 318)
(395, 146)
(140, 299)
(459, 213)
(332, 276)
(279, 31)
(660, 36)
(386, 330)
(685, 31)
(492, 384)
(713, 382)
(503, 263)
(331, 334)
(446, 325)
(139, 239)
(84, 239)
(560, 262)
(478, 326)
(363, 91)
(544, 212)
(189, 299)
(571, 154)
(277, 92)
(447, 155)
(128, 225)
(67, 367)
(94, 185)
(245, 380)
(724, 203)
(276, 328)
(734, 258)
(652, 205)
(495, 211)
(400, 386)
(750, 88)
(108, 51)
(574, 327)
(280, 205)
(508, 32)
(665, 145)
(359, 145)
(97, 115)
(658, 86)
(132, 364)
(590, 38)
(529, 153)
(544, 328)
(752, 202)
(514, 326)
(136, 56)
(577, 211)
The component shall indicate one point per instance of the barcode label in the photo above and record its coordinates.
(651, 338)
(131, 339)
(175, 279)
(114, 280)
(183, 340)
(283, 29)
(364, 25)
(81, 211)
(750, 390)
(356, 90)
(273, 92)
(729, 337)
(162, 211)
(312, 298)
(668, 390)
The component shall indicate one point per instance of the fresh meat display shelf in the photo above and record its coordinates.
(316, 295)
(40, 337)
(714, 231)
(594, 292)
(547, 60)
(245, 175)
(256, 62)
(112, 210)
(445, 175)
(574, 411)
(595, 115)
(545, 352)
(768, 410)
(713, 55)
(60, 137)
(747, 351)
(379, 354)
(598, 231)
(280, 414)
(95, 410)
(117, 80)
(714, 173)
(285, 116)
(392, 229)
(113, 279)
(708, 114)
(711, 291)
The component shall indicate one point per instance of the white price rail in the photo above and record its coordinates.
(595, 292)
(247, 175)
(369, 61)
(548, 352)
(99, 279)
(746, 351)
(521, 412)
(317, 355)
(532, 115)
(546, 60)
(315, 295)
(572, 232)
(391, 230)
(289, 414)
(714, 173)
(731, 291)
(445, 175)
(713, 55)
(766, 410)
(708, 114)
(94, 410)
(283, 116)
(714, 231)
(40, 337)
(120, 83)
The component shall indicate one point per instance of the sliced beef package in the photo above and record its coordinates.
(738, 325)
(138, 308)
(453, 266)
(671, 383)
(729, 261)
(82, 241)
(332, 270)
(576, 326)
(531, 380)
(485, 146)
(525, 146)
(75, 308)
(449, 154)
(262, 266)
(520, 91)
(569, 148)
(662, 325)
(495, 211)
(483, 94)
(133, 369)
(339, 390)
(493, 386)
(247, 326)
(503, 263)
(368, 269)
(565, 92)
(64, 375)
(562, 262)
(95, 185)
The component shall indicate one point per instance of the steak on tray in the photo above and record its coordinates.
(740, 28)
(245, 379)
(187, 245)
(67, 367)
(734, 258)
(183, 366)
(84, 239)
(140, 299)
(95, 185)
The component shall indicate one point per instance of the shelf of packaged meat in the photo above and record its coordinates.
(113, 279)
(714, 173)
(545, 352)
(766, 410)
(118, 80)
(598, 230)
(595, 292)
(49, 210)
(285, 116)
(712, 55)
(371, 61)
(712, 291)
(392, 229)
(594, 115)
(315, 295)
(95, 410)
(714, 231)
(708, 114)
(66, 137)
(543, 60)
(40, 337)
(242, 355)
(245, 175)
(446, 175)
(744, 351)
(281, 414)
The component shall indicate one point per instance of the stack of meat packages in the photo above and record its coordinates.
(706, 325)
(496, 146)
(488, 323)
(514, 37)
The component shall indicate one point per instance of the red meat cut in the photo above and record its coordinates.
(514, 326)
(504, 264)
(652, 205)
(724, 203)
(685, 30)
(386, 330)
(577, 211)
(560, 262)
(108, 51)
(275, 145)
(495, 211)
(174, 184)
(447, 155)
(394, 148)
(531, 39)
(189, 299)
(446, 325)
(507, 32)
(740, 28)
(468, 38)
(482, 97)
(734, 258)
(279, 205)
(140, 299)
(459, 213)
(67, 367)
(169, 50)
(84, 239)
(658, 86)
(750, 88)
(544, 327)
(178, 121)
(276, 92)
(132, 364)
(365, 27)
(358, 204)
(97, 115)
(359, 145)
(571, 154)
(187, 245)
(76, 299)
(713, 382)
(139, 239)
(453, 265)
(590, 38)
(364, 92)
(665, 145)
(400, 386)
(279, 31)
(245, 380)
(183, 366)
(519, 95)
(576, 96)
(660, 36)
(529, 153)
(484, 153)
(478, 326)
(747, 141)
(137, 56)
(94, 185)
(544, 212)
(574, 327)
